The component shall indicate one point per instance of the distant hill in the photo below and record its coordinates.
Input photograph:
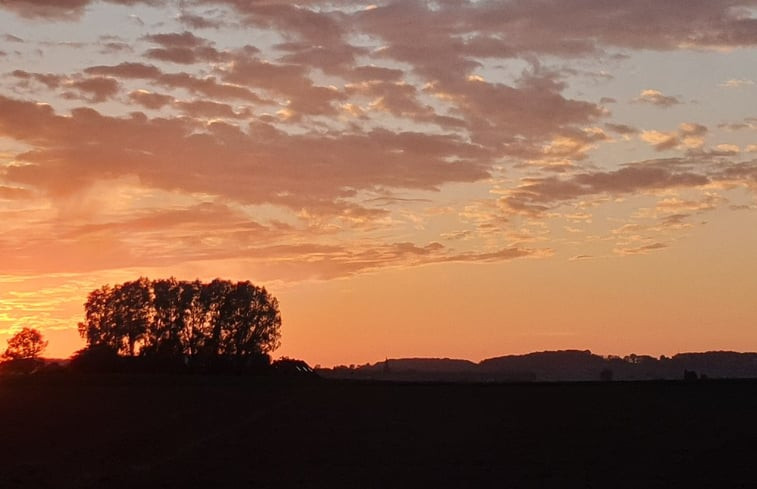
(563, 365)
(424, 365)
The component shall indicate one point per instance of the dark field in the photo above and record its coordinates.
(104, 431)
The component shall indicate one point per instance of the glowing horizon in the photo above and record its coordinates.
(415, 178)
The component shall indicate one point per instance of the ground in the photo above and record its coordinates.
(214, 432)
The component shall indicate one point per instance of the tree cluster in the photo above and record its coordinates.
(27, 343)
(191, 321)
(23, 353)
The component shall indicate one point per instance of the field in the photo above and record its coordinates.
(211, 432)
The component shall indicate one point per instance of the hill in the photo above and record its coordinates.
(556, 366)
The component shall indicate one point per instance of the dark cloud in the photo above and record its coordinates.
(96, 89)
(621, 129)
(177, 40)
(537, 195)
(126, 70)
(199, 21)
(115, 47)
(49, 80)
(183, 48)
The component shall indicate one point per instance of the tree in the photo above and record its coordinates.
(27, 343)
(216, 323)
(605, 375)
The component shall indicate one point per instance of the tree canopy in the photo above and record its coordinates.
(26, 344)
(180, 319)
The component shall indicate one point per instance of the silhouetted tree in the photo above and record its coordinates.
(27, 343)
(690, 376)
(132, 307)
(605, 375)
(221, 322)
(97, 358)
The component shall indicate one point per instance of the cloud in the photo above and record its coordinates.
(622, 129)
(262, 165)
(212, 233)
(114, 47)
(93, 89)
(283, 80)
(738, 174)
(689, 135)
(183, 48)
(574, 146)
(207, 86)
(96, 89)
(150, 100)
(205, 109)
(736, 83)
(49, 80)
(58, 9)
(126, 70)
(337, 104)
(200, 21)
(14, 193)
(49, 9)
(500, 29)
(535, 196)
(655, 97)
(336, 262)
(640, 250)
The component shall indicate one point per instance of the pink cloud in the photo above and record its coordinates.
(259, 165)
(183, 48)
(96, 89)
(655, 97)
(150, 100)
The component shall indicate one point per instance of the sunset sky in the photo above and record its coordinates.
(442, 178)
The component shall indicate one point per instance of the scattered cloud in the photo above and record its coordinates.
(150, 100)
(622, 129)
(736, 83)
(535, 196)
(655, 97)
(12, 38)
(182, 48)
(340, 117)
(641, 250)
(688, 135)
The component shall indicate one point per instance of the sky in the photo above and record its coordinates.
(409, 178)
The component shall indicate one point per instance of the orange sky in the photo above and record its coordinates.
(413, 178)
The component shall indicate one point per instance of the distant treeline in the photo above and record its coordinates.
(170, 322)
(566, 365)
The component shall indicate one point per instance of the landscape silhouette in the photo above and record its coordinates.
(176, 388)
(378, 244)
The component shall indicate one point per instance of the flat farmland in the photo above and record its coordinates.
(65, 430)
